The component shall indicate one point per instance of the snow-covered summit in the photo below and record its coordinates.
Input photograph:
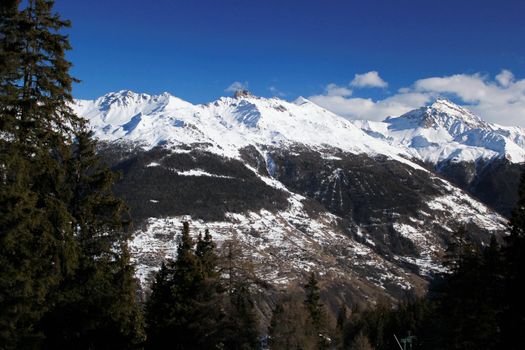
(444, 131)
(440, 114)
(227, 124)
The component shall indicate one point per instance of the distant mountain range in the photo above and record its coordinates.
(370, 205)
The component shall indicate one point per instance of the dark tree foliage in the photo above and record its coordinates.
(206, 198)
(290, 326)
(98, 307)
(378, 326)
(463, 311)
(65, 277)
(158, 314)
(37, 246)
(169, 311)
(513, 313)
(240, 327)
(205, 252)
(341, 324)
(184, 309)
(316, 312)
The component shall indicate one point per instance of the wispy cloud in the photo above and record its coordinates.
(236, 86)
(500, 99)
(369, 79)
(505, 78)
(366, 108)
(335, 90)
(276, 92)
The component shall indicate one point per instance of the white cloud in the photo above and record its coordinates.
(336, 90)
(236, 86)
(470, 88)
(366, 108)
(505, 78)
(500, 100)
(369, 79)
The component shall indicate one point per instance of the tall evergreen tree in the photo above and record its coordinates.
(289, 325)
(98, 307)
(159, 314)
(37, 242)
(209, 297)
(361, 342)
(174, 288)
(459, 247)
(316, 311)
(184, 309)
(61, 251)
(341, 325)
(513, 313)
(240, 327)
(205, 250)
(466, 311)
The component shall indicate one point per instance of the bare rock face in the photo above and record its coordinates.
(242, 93)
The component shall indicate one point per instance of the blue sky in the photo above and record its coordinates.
(196, 49)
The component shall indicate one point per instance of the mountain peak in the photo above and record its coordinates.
(448, 107)
(443, 102)
(242, 93)
(301, 101)
(445, 131)
(442, 113)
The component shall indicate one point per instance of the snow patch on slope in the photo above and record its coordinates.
(282, 245)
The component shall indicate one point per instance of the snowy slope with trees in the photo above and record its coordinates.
(299, 187)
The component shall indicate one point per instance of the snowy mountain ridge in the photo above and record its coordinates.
(227, 124)
(445, 131)
(441, 131)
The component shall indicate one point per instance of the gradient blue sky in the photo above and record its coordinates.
(196, 49)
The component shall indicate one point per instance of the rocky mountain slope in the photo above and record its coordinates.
(462, 147)
(298, 186)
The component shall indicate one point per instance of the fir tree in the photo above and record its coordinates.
(184, 309)
(341, 325)
(361, 342)
(159, 315)
(289, 325)
(209, 296)
(316, 311)
(240, 327)
(37, 242)
(98, 307)
(460, 247)
(65, 277)
(176, 324)
(205, 252)
(513, 313)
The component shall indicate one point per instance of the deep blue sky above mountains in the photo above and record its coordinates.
(197, 49)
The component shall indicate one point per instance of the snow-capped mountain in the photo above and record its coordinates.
(484, 159)
(436, 133)
(298, 186)
(226, 125)
(445, 131)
